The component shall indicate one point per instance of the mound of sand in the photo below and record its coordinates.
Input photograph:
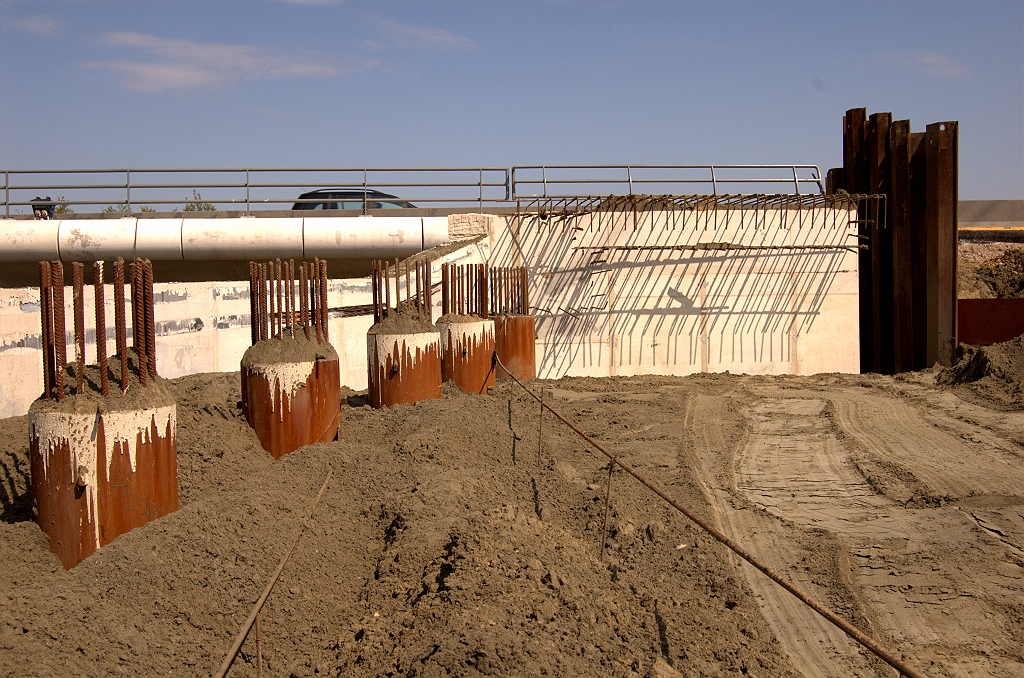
(440, 547)
(990, 270)
(992, 375)
(1005, 274)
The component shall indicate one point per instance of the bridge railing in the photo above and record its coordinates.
(147, 189)
(569, 181)
(201, 189)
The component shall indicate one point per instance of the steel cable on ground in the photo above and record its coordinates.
(804, 597)
(247, 626)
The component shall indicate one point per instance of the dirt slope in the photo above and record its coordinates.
(442, 547)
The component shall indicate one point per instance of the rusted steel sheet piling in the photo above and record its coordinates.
(101, 463)
(403, 347)
(291, 377)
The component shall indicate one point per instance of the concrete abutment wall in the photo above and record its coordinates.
(618, 292)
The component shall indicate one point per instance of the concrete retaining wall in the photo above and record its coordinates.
(619, 293)
(614, 293)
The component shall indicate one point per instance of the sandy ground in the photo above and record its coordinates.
(450, 542)
(442, 547)
(988, 270)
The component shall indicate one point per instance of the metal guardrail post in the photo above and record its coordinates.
(796, 181)
(128, 189)
(246, 190)
(714, 184)
(629, 178)
(480, 185)
(7, 194)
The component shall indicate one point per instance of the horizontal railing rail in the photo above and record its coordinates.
(558, 181)
(130, 190)
(140, 187)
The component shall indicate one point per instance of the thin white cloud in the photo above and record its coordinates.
(929, 62)
(185, 64)
(421, 37)
(36, 24)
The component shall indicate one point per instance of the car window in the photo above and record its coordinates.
(351, 205)
(390, 205)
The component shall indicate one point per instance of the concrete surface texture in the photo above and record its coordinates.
(756, 290)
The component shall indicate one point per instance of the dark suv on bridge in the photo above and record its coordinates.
(349, 199)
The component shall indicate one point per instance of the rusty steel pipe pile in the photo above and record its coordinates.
(403, 348)
(467, 331)
(96, 453)
(515, 332)
(291, 375)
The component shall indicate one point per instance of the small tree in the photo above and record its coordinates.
(197, 205)
(63, 206)
(123, 209)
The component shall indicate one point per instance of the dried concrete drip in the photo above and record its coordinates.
(78, 431)
(381, 346)
(465, 332)
(287, 378)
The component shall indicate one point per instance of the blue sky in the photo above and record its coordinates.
(263, 83)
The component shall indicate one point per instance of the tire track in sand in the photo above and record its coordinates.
(815, 648)
(914, 589)
(950, 467)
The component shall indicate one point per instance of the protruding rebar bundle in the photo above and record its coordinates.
(430, 295)
(375, 290)
(253, 305)
(52, 312)
(291, 297)
(387, 291)
(264, 303)
(139, 320)
(304, 298)
(283, 302)
(46, 320)
(60, 341)
(278, 298)
(134, 302)
(78, 301)
(323, 299)
(483, 291)
(147, 300)
(418, 292)
(269, 278)
(120, 327)
(314, 299)
(101, 327)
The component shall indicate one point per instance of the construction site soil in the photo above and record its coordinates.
(449, 543)
(990, 270)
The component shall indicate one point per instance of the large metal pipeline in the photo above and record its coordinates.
(215, 240)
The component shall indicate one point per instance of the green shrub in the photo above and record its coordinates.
(197, 205)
